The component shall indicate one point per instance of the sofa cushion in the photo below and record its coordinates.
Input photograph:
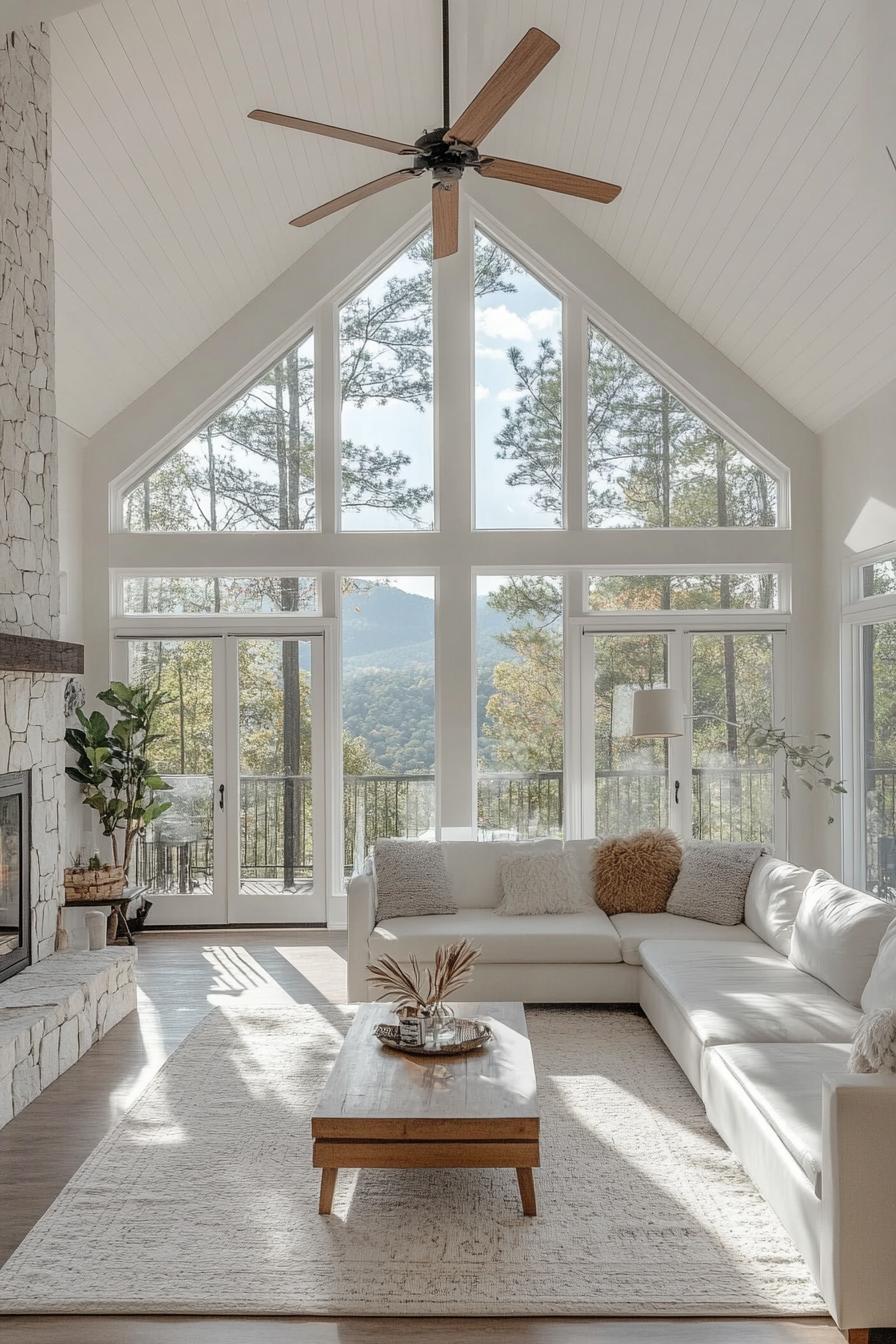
(784, 1083)
(773, 898)
(582, 854)
(729, 993)
(712, 881)
(837, 934)
(634, 929)
(411, 879)
(636, 872)
(540, 939)
(542, 884)
(474, 867)
(879, 994)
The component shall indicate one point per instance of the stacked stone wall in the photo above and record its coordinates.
(31, 711)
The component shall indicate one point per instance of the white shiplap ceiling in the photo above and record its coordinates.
(750, 205)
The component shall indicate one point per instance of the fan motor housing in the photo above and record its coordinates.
(446, 160)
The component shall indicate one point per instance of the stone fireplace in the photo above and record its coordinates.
(31, 710)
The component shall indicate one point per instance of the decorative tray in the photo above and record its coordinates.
(468, 1035)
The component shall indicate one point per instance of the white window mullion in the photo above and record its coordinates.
(575, 394)
(327, 416)
(583, 658)
(681, 748)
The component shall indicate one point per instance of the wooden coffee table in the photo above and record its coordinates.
(381, 1108)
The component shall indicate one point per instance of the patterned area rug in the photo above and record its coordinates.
(205, 1191)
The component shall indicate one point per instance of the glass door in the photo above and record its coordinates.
(276, 836)
(735, 786)
(626, 780)
(180, 861)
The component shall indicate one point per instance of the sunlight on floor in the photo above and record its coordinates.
(156, 1053)
(237, 971)
(322, 967)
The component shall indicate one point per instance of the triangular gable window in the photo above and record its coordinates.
(653, 462)
(251, 468)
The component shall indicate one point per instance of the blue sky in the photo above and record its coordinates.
(522, 318)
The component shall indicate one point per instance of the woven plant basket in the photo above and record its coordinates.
(93, 884)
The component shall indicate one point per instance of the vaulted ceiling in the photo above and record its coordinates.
(751, 204)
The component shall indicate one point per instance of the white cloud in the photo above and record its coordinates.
(501, 323)
(544, 319)
(510, 394)
(489, 352)
(481, 392)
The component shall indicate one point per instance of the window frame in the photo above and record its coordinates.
(187, 429)
(543, 275)
(856, 612)
(679, 628)
(455, 552)
(695, 402)
(271, 619)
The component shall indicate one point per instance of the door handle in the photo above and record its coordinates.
(221, 796)
(676, 792)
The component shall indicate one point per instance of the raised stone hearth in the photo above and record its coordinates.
(53, 1012)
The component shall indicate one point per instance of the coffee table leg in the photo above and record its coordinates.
(526, 1182)
(327, 1187)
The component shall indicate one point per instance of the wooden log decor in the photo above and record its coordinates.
(21, 653)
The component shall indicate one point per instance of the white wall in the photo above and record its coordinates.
(858, 513)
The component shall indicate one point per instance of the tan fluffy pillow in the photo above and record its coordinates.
(636, 872)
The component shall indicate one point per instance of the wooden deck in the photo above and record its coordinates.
(252, 887)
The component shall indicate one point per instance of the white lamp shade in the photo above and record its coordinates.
(658, 713)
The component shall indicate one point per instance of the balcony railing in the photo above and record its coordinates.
(275, 824)
(880, 831)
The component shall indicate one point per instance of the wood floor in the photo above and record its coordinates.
(181, 975)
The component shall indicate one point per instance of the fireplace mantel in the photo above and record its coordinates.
(22, 653)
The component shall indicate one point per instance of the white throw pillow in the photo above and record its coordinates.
(837, 934)
(544, 884)
(773, 900)
(879, 995)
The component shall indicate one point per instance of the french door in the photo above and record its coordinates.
(240, 741)
(710, 783)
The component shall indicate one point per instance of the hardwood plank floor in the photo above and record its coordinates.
(181, 975)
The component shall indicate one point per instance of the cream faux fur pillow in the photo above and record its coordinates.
(542, 884)
(874, 1044)
(636, 873)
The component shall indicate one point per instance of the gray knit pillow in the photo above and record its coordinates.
(411, 879)
(712, 881)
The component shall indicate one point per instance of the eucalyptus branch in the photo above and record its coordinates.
(807, 755)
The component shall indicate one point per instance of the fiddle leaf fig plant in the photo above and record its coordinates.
(112, 765)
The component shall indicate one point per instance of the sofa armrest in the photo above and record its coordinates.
(858, 1231)
(361, 919)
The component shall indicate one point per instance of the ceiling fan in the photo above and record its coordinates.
(450, 150)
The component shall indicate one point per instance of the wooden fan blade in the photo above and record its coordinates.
(445, 209)
(550, 179)
(511, 79)
(356, 194)
(334, 132)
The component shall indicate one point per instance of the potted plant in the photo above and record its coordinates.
(117, 781)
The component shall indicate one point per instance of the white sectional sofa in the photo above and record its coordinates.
(764, 1044)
